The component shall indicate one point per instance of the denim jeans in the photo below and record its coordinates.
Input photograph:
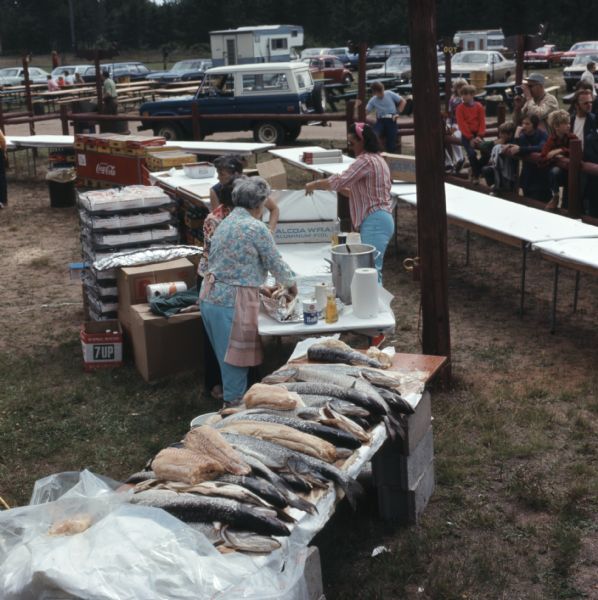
(218, 321)
(474, 161)
(387, 128)
(558, 177)
(377, 229)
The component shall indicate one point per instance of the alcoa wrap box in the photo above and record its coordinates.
(165, 346)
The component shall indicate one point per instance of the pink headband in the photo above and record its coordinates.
(359, 130)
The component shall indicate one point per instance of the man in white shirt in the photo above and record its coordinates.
(587, 76)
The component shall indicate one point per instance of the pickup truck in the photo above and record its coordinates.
(265, 88)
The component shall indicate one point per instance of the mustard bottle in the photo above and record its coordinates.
(331, 313)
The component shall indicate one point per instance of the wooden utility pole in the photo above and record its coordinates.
(28, 100)
(363, 46)
(429, 174)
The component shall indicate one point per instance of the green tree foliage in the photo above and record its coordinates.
(31, 25)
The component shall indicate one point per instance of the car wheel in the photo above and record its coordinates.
(348, 79)
(269, 132)
(169, 131)
(318, 97)
(292, 133)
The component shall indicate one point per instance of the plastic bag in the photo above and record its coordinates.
(61, 175)
(123, 551)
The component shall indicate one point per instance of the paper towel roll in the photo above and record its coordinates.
(155, 290)
(320, 294)
(364, 293)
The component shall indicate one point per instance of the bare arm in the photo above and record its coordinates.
(274, 214)
(214, 202)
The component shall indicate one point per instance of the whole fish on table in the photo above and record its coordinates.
(208, 442)
(275, 456)
(181, 464)
(282, 435)
(204, 509)
(324, 353)
(330, 434)
(247, 541)
(262, 488)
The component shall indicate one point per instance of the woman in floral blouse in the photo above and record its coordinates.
(242, 252)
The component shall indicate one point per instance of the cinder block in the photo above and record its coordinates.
(391, 467)
(405, 507)
(417, 424)
(313, 575)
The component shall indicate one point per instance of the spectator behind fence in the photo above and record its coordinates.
(454, 157)
(109, 95)
(52, 85)
(588, 76)
(583, 121)
(471, 120)
(584, 124)
(533, 180)
(77, 79)
(501, 171)
(557, 145)
(388, 106)
(534, 101)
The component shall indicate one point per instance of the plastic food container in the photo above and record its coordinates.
(199, 170)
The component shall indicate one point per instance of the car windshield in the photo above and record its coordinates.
(185, 65)
(584, 46)
(9, 72)
(584, 59)
(395, 61)
(477, 58)
(313, 52)
(542, 50)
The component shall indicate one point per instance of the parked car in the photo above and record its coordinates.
(309, 52)
(328, 67)
(264, 88)
(545, 56)
(184, 70)
(494, 64)
(396, 65)
(573, 73)
(567, 57)
(379, 53)
(16, 75)
(133, 71)
(71, 69)
(348, 58)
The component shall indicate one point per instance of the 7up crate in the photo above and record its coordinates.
(102, 343)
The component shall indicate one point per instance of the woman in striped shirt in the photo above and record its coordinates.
(367, 183)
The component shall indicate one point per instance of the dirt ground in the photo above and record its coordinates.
(515, 507)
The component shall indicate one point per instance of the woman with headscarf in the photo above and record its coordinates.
(242, 253)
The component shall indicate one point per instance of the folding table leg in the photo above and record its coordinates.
(523, 273)
(396, 235)
(555, 288)
(576, 292)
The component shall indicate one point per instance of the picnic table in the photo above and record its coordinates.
(335, 92)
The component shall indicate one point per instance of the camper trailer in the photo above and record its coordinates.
(265, 43)
(486, 39)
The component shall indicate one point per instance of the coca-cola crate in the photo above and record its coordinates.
(115, 170)
(102, 344)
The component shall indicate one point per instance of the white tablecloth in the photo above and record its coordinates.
(42, 141)
(579, 251)
(218, 148)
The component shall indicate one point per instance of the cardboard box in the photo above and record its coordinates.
(274, 173)
(132, 282)
(308, 231)
(401, 166)
(162, 346)
(115, 170)
(102, 344)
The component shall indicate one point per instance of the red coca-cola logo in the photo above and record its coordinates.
(106, 169)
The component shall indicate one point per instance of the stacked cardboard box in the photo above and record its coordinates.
(160, 159)
(161, 346)
(115, 220)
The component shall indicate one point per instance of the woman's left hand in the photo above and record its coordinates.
(310, 187)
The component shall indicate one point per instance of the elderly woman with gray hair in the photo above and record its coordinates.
(241, 254)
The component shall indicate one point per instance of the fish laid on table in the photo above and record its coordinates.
(330, 434)
(282, 435)
(205, 440)
(325, 353)
(180, 464)
(140, 476)
(205, 509)
(261, 470)
(264, 489)
(279, 457)
(247, 541)
(270, 396)
(348, 388)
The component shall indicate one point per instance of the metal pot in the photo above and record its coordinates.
(345, 259)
